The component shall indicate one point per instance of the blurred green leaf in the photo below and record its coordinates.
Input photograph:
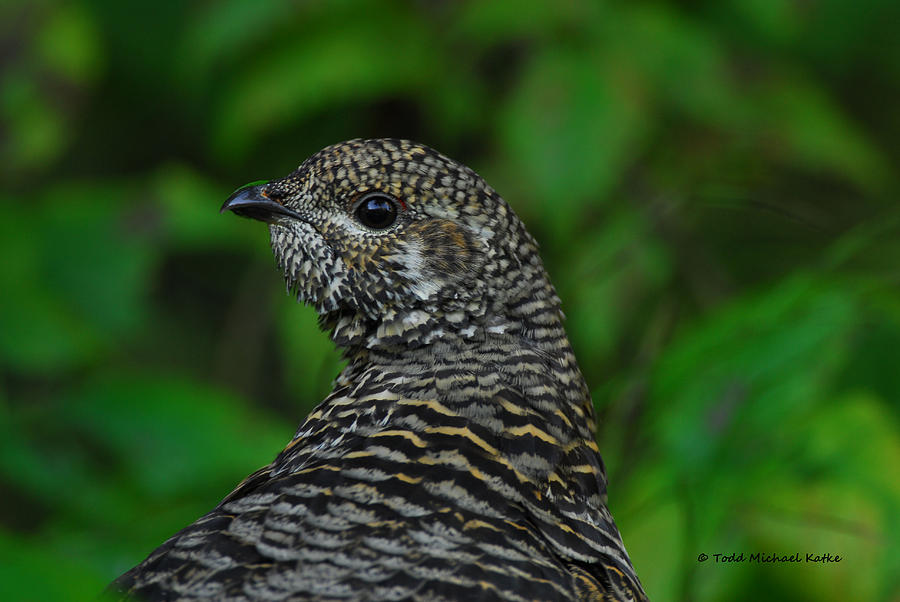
(682, 61)
(615, 270)
(143, 422)
(23, 573)
(817, 134)
(68, 44)
(570, 129)
(493, 22)
(739, 379)
(776, 23)
(81, 277)
(324, 66)
(36, 132)
(220, 32)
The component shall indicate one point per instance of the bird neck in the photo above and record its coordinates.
(506, 367)
(482, 362)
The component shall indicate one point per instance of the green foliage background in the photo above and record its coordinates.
(713, 183)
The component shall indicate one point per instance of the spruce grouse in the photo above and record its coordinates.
(455, 458)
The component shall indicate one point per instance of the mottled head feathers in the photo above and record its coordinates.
(452, 260)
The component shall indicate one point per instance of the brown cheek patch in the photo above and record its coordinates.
(446, 247)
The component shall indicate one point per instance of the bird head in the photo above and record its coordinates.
(396, 244)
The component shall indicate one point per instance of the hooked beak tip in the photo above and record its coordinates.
(251, 201)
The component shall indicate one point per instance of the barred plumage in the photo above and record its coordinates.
(455, 458)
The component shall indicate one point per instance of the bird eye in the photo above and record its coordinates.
(376, 211)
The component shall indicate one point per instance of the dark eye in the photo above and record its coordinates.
(377, 211)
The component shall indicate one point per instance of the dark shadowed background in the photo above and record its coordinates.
(714, 185)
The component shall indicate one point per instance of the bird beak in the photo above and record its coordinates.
(253, 202)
